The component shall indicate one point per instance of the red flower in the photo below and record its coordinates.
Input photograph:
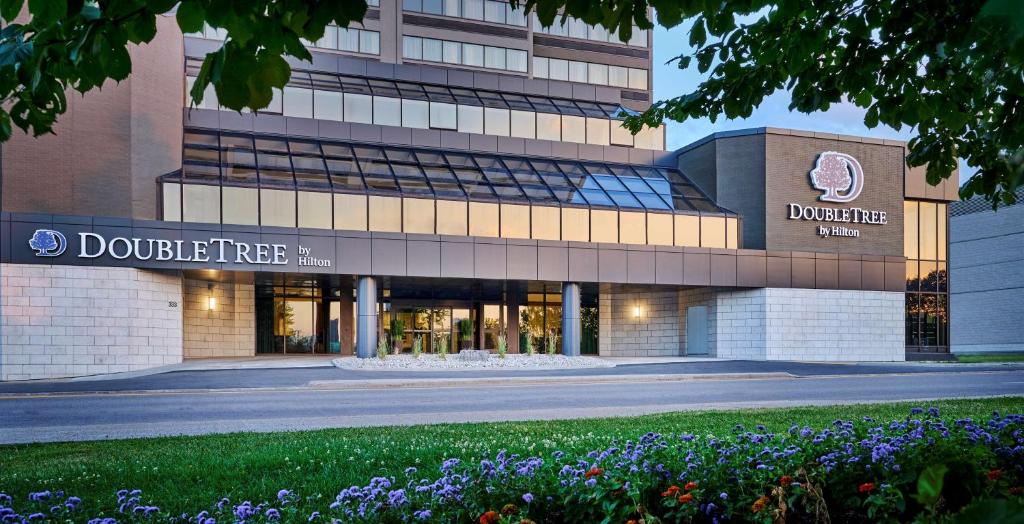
(759, 504)
(785, 480)
(685, 498)
(1017, 490)
(509, 509)
(995, 474)
(690, 486)
(594, 472)
(491, 517)
(631, 521)
(672, 491)
(866, 487)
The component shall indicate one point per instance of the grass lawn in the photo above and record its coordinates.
(187, 474)
(991, 357)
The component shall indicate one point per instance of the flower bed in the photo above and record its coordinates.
(922, 467)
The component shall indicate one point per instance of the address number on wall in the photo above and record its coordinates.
(171, 303)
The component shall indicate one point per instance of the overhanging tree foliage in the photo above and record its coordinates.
(952, 70)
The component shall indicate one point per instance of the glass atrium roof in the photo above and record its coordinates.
(445, 94)
(233, 159)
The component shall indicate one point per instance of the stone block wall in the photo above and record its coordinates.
(228, 330)
(701, 296)
(655, 333)
(63, 321)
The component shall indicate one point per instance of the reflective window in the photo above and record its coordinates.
(597, 74)
(241, 206)
(451, 52)
(620, 135)
(549, 127)
(637, 79)
(659, 229)
(574, 129)
(171, 198)
(298, 102)
(731, 233)
(523, 124)
(387, 111)
(201, 203)
(432, 50)
(544, 223)
(358, 108)
(416, 114)
(618, 76)
(412, 47)
(350, 212)
(315, 210)
(558, 69)
(515, 221)
(496, 121)
(418, 216)
(604, 226)
(277, 208)
(443, 116)
(473, 55)
(385, 214)
(451, 217)
(687, 230)
(712, 231)
(634, 227)
(473, 9)
(471, 119)
(327, 105)
(483, 219)
(576, 224)
(598, 131)
(516, 60)
(540, 67)
(929, 235)
(578, 72)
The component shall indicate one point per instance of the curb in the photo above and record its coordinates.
(519, 381)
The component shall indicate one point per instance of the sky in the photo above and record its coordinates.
(670, 82)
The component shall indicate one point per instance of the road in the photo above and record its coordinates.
(58, 416)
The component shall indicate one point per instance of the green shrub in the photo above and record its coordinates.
(442, 346)
(397, 334)
(502, 346)
(552, 347)
(382, 348)
(417, 346)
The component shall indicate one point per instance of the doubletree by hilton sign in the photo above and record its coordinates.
(216, 250)
(840, 178)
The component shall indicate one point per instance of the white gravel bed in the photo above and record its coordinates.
(430, 362)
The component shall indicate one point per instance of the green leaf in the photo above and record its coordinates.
(992, 511)
(46, 12)
(191, 15)
(9, 10)
(698, 36)
(929, 484)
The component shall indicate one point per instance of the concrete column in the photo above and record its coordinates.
(571, 328)
(366, 306)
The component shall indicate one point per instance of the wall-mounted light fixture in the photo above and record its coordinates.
(211, 301)
(636, 311)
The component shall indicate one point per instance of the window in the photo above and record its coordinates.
(544, 223)
(574, 129)
(297, 102)
(659, 229)
(496, 121)
(327, 105)
(515, 221)
(577, 72)
(597, 74)
(418, 216)
(598, 131)
(415, 114)
(637, 79)
(387, 111)
(277, 207)
(358, 108)
(483, 219)
(241, 206)
(369, 42)
(473, 9)
(634, 227)
(451, 52)
(620, 135)
(348, 39)
(523, 124)
(558, 69)
(604, 226)
(412, 47)
(200, 203)
(471, 119)
(350, 212)
(434, 7)
(330, 38)
(687, 230)
(171, 202)
(432, 50)
(473, 55)
(712, 231)
(732, 240)
(494, 11)
(451, 217)
(927, 299)
(549, 127)
(315, 210)
(385, 214)
(516, 60)
(494, 57)
(618, 76)
(442, 116)
(540, 67)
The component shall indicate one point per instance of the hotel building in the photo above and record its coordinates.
(450, 160)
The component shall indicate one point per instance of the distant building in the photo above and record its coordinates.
(444, 162)
(986, 256)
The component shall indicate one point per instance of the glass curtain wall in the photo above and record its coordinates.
(927, 298)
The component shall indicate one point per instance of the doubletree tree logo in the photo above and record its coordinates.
(838, 175)
(48, 243)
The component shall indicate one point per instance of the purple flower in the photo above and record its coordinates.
(281, 495)
(528, 498)
(273, 514)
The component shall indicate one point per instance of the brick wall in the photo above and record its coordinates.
(810, 324)
(229, 330)
(655, 333)
(62, 321)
